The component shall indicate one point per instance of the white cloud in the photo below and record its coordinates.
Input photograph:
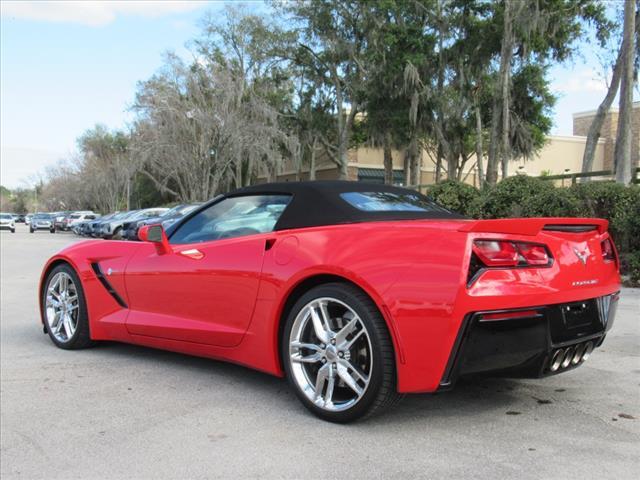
(582, 81)
(93, 13)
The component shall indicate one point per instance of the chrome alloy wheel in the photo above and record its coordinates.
(330, 354)
(61, 305)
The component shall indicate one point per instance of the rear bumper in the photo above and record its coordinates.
(529, 342)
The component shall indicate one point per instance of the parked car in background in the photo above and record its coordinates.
(42, 221)
(130, 228)
(19, 218)
(112, 229)
(77, 218)
(27, 218)
(92, 228)
(58, 218)
(7, 222)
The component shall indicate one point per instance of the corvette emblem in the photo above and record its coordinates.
(582, 256)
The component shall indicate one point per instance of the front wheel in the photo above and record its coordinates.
(31, 230)
(65, 309)
(338, 355)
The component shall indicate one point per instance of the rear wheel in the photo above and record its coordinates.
(65, 309)
(117, 234)
(338, 355)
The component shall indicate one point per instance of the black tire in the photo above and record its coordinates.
(117, 234)
(52, 231)
(13, 230)
(31, 230)
(381, 391)
(81, 337)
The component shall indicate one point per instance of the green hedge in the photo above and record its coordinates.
(524, 196)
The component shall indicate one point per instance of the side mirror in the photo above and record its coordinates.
(155, 234)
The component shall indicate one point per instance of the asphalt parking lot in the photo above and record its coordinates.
(119, 411)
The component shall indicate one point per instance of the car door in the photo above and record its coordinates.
(204, 290)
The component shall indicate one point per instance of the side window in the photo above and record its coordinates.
(233, 217)
(91, 217)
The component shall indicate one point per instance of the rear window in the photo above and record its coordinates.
(391, 202)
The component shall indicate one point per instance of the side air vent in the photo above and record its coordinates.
(107, 285)
(570, 228)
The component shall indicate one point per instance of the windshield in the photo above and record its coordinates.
(121, 215)
(42, 216)
(172, 211)
(5, 216)
(180, 211)
(156, 212)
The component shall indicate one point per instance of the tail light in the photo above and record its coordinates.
(502, 253)
(608, 253)
(506, 254)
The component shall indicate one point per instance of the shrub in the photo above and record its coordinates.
(618, 204)
(631, 265)
(510, 197)
(550, 203)
(457, 196)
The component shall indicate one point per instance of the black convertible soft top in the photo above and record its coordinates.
(316, 203)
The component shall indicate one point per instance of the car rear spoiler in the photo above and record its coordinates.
(533, 226)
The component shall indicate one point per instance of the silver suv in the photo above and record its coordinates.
(7, 222)
(42, 221)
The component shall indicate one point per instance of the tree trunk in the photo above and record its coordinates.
(492, 159)
(407, 167)
(452, 168)
(622, 156)
(501, 98)
(388, 160)
(439, 164)
(238, 173)
(596, 125)
(312, 160)
(247, 177)
(415, 156)
(479, 146)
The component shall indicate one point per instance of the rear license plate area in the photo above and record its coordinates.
(573, 321)
(578, 314)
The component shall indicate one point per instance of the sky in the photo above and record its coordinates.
(66, 66)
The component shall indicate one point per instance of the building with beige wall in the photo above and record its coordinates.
(560, 155)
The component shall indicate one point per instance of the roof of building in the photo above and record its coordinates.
(591, 113)
(317, 203)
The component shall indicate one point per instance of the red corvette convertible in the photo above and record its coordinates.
(355, 292)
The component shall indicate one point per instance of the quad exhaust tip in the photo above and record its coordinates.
(570, 356)
(577, 355)
(587, 351)
(556, 360)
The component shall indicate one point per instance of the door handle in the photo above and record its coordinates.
(193, 253)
